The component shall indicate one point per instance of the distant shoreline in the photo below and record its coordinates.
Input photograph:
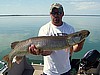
(47, 15)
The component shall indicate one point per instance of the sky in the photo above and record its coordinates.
(42, 7)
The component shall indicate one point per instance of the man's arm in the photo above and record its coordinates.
(78, 46)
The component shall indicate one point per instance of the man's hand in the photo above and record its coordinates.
(78, 46)
(34, 50)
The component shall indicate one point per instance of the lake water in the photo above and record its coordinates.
(14, 28)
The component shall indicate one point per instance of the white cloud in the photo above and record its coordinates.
(86, 5)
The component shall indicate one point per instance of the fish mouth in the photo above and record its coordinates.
(88, 33)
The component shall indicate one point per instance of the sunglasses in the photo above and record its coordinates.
(54, 13)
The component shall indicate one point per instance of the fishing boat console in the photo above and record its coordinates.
(90, 63)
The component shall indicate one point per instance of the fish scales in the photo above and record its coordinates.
(43, 43)
(51, 43)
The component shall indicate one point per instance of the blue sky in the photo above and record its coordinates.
(32, 7)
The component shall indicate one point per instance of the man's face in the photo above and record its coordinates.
(56, 16)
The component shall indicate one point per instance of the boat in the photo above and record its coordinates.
(88, 65)
(39, 70)
(3, 67)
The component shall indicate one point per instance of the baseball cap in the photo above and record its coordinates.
(56, 5)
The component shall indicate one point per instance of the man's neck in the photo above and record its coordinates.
(57, 24)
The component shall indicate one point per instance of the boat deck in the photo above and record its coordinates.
(39, 70)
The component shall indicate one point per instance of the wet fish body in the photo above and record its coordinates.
(20, 48)
(52, 42)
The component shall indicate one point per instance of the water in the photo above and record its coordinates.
(14, 28)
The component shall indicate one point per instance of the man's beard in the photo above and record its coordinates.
(56, 20)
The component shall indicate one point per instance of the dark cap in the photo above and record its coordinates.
(58, 6)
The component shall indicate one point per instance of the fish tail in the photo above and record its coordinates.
(9, 64)
(6, 58)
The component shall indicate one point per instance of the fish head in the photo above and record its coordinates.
(77, 37)
(81, 35)
(84, 33)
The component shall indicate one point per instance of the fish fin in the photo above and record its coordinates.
(6, 58)
(13, 44)
(19, 59)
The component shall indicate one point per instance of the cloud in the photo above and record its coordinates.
(86, 5)
(78, 0)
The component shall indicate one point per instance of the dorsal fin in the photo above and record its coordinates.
(13, 44)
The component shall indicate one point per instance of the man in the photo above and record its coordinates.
(21, 67)
(56, 62)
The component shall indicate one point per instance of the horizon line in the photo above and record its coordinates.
(45, 15)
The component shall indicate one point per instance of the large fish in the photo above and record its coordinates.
(20, 48)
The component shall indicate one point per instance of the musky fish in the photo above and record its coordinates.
(20, 48)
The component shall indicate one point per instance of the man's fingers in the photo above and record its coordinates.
(34, 50)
